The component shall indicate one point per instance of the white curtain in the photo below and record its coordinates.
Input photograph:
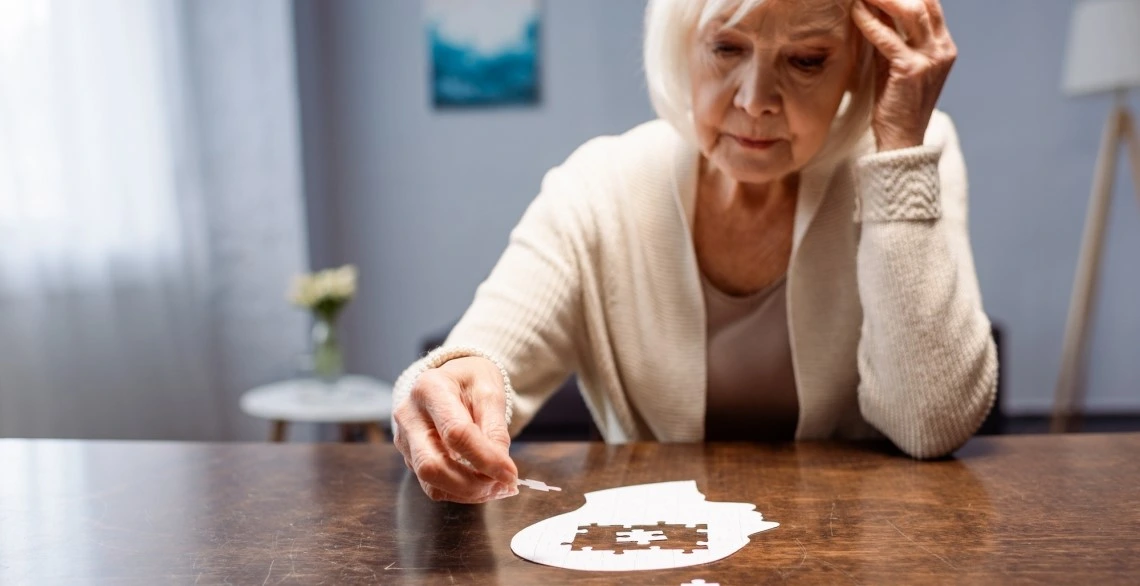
(140, 287)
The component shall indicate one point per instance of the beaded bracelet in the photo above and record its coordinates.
(442, 355)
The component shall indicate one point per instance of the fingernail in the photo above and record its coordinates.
(506, 477)
(494, 490)
(504, 490)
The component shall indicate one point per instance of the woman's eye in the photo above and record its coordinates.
(727, 49)
(808, 64)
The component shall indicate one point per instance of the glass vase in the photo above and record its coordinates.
(328, 362)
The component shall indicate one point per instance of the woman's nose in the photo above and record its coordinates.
(758, 93)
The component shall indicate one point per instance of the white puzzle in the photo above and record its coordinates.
(538, 485)
(641, 527)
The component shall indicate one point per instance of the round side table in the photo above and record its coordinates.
(353, 403)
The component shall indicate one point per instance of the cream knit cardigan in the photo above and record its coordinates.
(601, 278)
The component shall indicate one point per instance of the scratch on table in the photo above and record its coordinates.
(830, 518)
(802, 548)
(922, 547)
(392, 566)
(269, 573)
(470, 575)
(840, 570)
(292, 562)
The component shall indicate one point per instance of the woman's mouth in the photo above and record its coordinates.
(758, 144)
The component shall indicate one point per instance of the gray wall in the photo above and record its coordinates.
(1030, 153)
(244, 113)
(423, 201)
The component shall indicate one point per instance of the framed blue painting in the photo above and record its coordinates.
(484, 52)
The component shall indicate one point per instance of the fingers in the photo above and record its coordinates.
(937, 17)
(944, 42)
(883, 37)
(428, 458)
(456, 427)
(489, 408)
(453, 434)
(437, 494)
(912, 15)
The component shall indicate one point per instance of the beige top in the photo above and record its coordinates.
(885, 318)
(751, 382)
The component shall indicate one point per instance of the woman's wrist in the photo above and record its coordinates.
(441, 356)
(892, 143)
(903, 184)
(897, 136)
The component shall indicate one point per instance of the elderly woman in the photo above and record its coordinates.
(784, 254)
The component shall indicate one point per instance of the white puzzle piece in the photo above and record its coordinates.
(641, 527)
(538, 485)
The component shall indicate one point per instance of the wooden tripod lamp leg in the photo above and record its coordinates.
(1069, 386)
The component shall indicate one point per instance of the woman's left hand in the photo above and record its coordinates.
(912, 70)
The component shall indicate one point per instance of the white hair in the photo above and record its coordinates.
(670, 25)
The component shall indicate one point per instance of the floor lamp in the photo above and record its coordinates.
(1103, 57)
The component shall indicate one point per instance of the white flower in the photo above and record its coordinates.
(328, 286)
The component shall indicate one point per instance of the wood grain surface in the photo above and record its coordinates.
(1006, 510)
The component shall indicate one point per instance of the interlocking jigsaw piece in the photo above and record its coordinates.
(538, 485)
(639, 536)
(686, 534)
(576, 545)
(621, 538)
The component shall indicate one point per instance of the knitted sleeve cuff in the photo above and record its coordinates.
(444, 354)
(899, 185)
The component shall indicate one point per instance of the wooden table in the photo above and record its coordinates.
(1030, 509)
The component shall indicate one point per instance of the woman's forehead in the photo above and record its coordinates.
(817, 12)
(790, 16)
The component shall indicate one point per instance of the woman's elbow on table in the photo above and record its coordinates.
(935, 415)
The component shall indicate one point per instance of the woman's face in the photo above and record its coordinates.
(766, 90)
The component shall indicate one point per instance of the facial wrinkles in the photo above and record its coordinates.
(769, 67)
(786, 70)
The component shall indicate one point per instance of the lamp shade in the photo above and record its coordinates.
(1104, 47)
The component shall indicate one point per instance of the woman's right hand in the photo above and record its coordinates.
(457, 413)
